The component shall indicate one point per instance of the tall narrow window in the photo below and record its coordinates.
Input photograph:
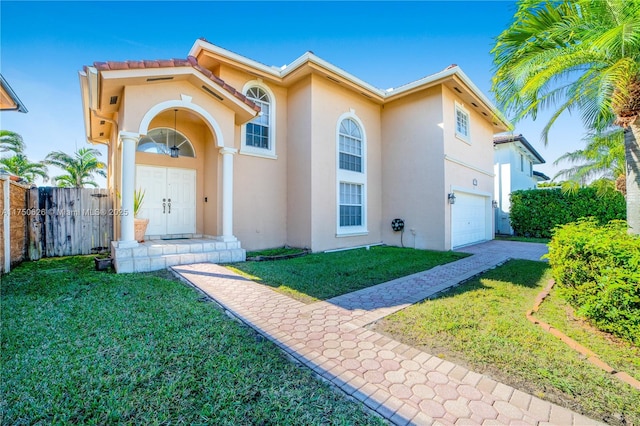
(258, 130)
(462, 123)
(350, 146)
(350, 204)
(521, 163)
(351, 176)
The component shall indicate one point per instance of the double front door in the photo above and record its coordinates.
(169, 200)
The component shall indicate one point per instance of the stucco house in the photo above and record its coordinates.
(513, 168)
(304, 154)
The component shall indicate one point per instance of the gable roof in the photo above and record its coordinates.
(102, 84)
(9, 101)
(453, 75)
(191, 61)
(504, 139)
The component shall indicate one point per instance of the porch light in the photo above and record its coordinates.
(494, 203)
(175, 151)
(451, 197)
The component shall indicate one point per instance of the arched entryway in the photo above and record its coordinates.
(177, 164)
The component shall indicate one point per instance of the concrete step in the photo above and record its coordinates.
(160, 254)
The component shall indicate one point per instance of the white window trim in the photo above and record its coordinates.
(252, 150)
(348, 176)
(462, 137)
(170, 129)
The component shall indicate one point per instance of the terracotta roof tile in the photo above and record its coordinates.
(173, 63)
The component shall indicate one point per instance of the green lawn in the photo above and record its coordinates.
(482, 324)
(522, 239)
(278, 251)
(619, 354)
(86, 347)
(321, 276)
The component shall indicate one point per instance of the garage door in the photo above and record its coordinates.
(468, 219)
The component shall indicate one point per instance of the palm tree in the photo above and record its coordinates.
(576, 55)
(602, 158)
(11, 142)
(79, 169)
(20, 165)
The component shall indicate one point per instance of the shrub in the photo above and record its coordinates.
(534, 212)
(597, 270)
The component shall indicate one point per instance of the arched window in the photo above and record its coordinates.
(160, 140)
(258, 132)
(350, 146)
(351, 176)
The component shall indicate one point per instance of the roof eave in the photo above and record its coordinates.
(439, 78)
(201, 45)
(311, 58)
(382, 95)
(20, 107)
(524, 143)
(243, 111)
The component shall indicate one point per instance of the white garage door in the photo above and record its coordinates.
(468, 219)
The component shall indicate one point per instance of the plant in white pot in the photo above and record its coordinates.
(140, 225)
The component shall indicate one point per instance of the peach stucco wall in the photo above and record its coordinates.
(328, 103)
(413, 170)
(413, 159)
(138, 100)
(260, 183)
(299, 164)
(476, 158)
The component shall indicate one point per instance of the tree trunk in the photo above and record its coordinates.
(632, 157)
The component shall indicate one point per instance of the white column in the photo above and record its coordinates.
(128, 141)
(227, 193)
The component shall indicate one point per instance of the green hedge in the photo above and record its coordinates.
(535, 212)
(597, 269)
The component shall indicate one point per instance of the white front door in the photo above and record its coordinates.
(169, 201)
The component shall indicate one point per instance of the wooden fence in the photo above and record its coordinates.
(61, 222)
(13, 224)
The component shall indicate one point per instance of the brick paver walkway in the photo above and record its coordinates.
(401, 383)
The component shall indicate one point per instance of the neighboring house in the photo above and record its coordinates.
(513, 167)
(305, 154)
(540, 177)
(9, 101)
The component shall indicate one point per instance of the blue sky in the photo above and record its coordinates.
(45, 44)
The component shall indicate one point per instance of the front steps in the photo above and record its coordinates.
(160, 254)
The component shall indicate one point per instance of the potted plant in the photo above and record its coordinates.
(140, 225)
(103, 262)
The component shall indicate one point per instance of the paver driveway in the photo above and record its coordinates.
(399, 382)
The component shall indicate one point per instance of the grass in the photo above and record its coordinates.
(86, 347)
(619, 354)
(278, 251)
(522, 239)
(482, 324)
(321, 276)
